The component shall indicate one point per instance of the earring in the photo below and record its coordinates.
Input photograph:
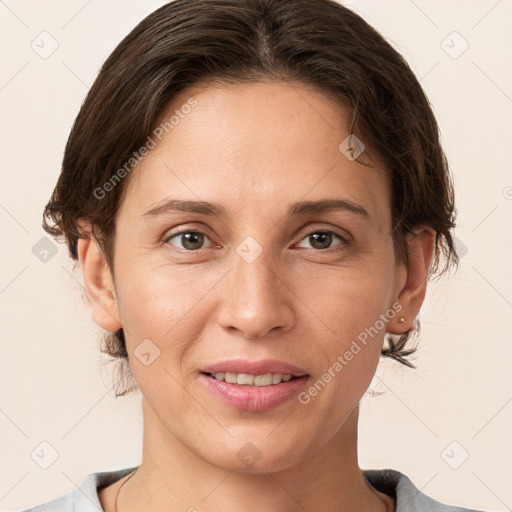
(401, 320)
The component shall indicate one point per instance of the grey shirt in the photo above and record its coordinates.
(388, 481)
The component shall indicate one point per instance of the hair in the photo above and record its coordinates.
(315, 42)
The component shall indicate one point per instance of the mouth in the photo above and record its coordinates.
(254, 386)
(244, 379)
(254, 393)
(246, 372)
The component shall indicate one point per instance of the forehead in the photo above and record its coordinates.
(254, 147)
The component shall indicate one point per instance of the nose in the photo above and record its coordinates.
(256, 298)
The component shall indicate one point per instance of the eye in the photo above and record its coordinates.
(191, 240)
(321, 239)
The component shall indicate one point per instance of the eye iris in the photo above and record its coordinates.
(194, 239)
(323, 237)
(191, 238)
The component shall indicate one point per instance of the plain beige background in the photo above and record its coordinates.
(457, 404)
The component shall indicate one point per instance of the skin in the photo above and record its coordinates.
(255, 149)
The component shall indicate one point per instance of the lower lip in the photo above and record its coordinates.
(253, 398)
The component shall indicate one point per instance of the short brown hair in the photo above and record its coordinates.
(316, 42)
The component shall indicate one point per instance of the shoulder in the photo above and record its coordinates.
(85, 496)
(61, 504)
(389, 481)
(408, 497)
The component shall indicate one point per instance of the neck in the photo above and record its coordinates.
(172, 477)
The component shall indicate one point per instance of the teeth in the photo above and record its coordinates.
(244, 379)
(263, 380)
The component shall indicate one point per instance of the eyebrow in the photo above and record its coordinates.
(296, 209)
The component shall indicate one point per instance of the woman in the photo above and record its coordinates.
(257, 196)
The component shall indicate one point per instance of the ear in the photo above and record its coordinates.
(98, 281)
(412, 280)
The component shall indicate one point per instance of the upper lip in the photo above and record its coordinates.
(261, 367)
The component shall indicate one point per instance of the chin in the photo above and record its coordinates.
(254, 458)
(262, 467)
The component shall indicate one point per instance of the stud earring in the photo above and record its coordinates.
(401, 320)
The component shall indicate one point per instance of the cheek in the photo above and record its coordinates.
(351, 304)
(169, 307)
(159, 314)
(348, 339)
(158, 301)
(352, 314)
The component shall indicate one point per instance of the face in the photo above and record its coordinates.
(269, 276)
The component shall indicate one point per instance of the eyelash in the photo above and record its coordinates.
(344, 241)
